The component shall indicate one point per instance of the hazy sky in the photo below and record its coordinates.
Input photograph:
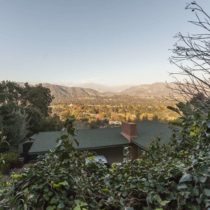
(101, 41)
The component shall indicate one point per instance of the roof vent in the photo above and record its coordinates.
(129, 130)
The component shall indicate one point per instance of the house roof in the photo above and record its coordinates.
(149, 130)
(104, 137)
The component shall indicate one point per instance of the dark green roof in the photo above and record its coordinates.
(104, 137)
(150, 130)
(44, 141)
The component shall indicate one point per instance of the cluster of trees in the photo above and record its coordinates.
(145, 109)
(24, 110)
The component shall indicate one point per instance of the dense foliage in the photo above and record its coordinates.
(98, 113)
(174, 176)
(9, 160)
(24, 110)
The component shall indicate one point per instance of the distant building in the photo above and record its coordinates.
(107, 142)
(115, 123)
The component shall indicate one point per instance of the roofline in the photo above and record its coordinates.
(103, 147)
(140, 146)
(87, 148)
(35, 153)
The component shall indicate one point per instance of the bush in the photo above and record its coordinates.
(9, 160)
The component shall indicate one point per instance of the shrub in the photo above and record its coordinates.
(8, 160)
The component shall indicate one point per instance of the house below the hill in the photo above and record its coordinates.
(108, 142)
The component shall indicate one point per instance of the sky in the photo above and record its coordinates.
(112, 42)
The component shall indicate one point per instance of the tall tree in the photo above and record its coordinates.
(14, 123)
(10, 92)
(24, 110)
(37, 97)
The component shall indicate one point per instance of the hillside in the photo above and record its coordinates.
(104, 88)
(64, 94)
(155, 90)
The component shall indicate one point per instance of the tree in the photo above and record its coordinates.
(24, 110)
(35, 119)
(51, 123)
(4, 144)
(14, 123)
(37, 97)
(10, 92)
(191, 54)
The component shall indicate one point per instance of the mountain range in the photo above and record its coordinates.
(66, 94)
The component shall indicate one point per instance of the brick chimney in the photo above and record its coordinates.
(129, 130)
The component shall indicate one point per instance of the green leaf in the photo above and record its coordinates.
(61, 205)
(206, 192)
(164, 203)
(80, 205)
(182, 187)
(51, 208)
(186, 178)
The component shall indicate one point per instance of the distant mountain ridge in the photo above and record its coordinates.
(65, 94)
(155, 90)
(104, 88)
